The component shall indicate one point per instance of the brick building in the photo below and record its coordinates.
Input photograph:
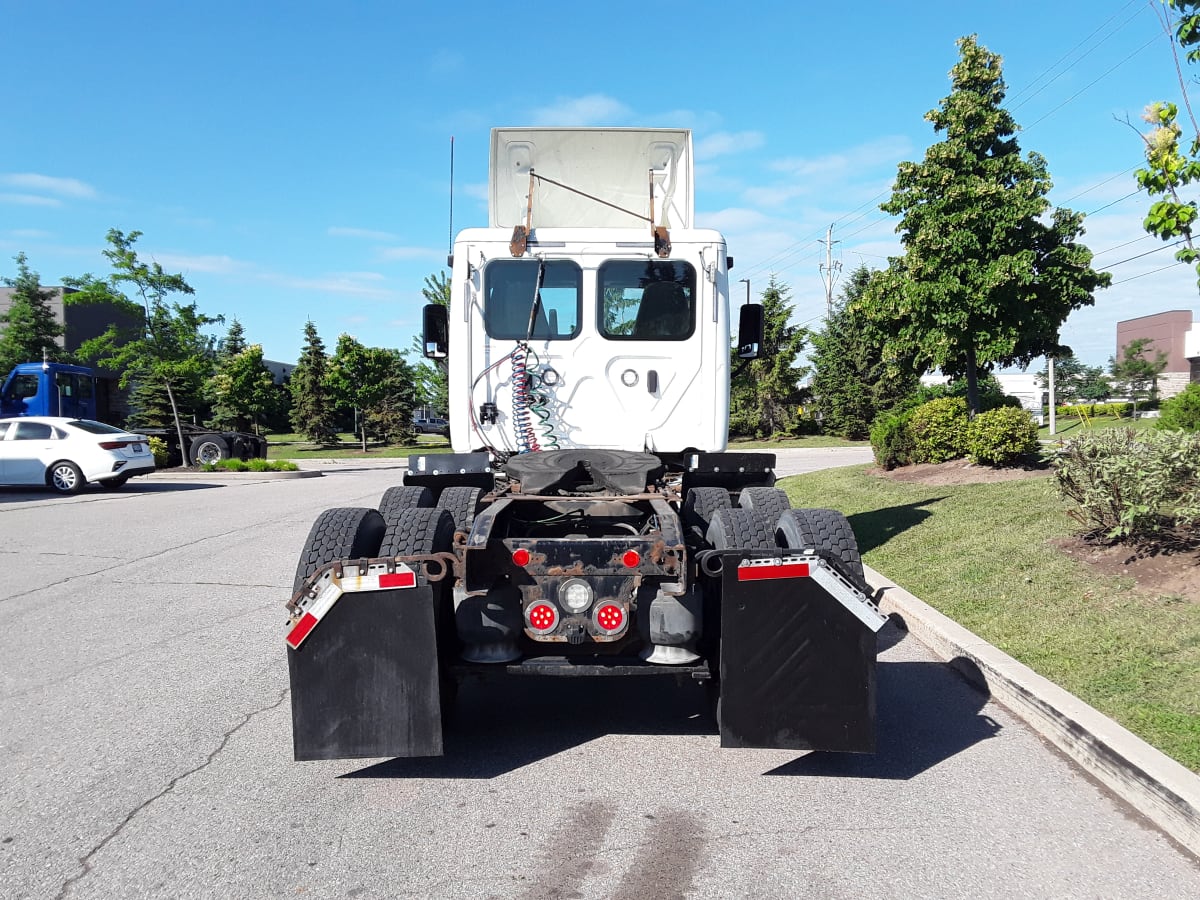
(1175, 333)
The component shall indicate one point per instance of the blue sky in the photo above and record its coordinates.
(292, 159)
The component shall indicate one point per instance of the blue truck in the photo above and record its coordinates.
(61, 389)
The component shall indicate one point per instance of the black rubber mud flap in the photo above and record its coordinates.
(365, 681)
(797, 666)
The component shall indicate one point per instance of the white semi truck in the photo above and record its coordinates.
(589, 521)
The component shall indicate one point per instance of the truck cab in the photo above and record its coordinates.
(49, 389)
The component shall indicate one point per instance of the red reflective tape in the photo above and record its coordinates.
(297, 635)
(398, 579)
(765, 573)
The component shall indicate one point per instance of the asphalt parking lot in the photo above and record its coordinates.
(145, 726)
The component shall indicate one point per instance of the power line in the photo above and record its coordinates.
(1144, 274)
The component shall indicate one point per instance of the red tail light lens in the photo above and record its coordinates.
(520, 557)
(114, 445)
(610, 618)
(631, 559)
(542, 617)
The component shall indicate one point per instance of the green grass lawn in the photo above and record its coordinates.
(1067, 427)
(812, 440)
(294, 446)
(981, 555)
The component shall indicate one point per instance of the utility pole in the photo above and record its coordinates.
(829, 270)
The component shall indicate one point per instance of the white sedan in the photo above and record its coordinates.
(65, 454)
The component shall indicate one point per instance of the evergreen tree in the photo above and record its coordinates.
(431, 375)
(312, 406)
(764, 399)
(29, 330)
(1074, 381)
(989, 271)
(851, 383)
(234, 341)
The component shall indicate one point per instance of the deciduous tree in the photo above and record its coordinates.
(989, 272)
(369, 379)
(1134, 373)
(172, 350)
(241, 391)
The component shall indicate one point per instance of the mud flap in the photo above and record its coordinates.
(797, 656)
(365, 681)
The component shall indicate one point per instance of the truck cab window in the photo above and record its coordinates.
(508, 292)
(23, 387)
(647, 300)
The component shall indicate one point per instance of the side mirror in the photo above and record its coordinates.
(750, 331)
(435, 323)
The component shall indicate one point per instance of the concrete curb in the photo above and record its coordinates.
(231, 476)
(1164, 791)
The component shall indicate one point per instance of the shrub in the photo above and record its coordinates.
(939, 430)
(158, 447)
(251, 465)
(891, 439)
(1001, 436)
(1138, 487)
(1182, 412)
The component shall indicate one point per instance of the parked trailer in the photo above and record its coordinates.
(61, 389)
(590, 521)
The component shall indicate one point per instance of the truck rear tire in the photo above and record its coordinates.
(462, 502)
(342, 533)
(740, 529)
(423, 529)
(402, 497)
(769, 502)
(828, 532)
(418, 530)
(700, 505)
(209, 449)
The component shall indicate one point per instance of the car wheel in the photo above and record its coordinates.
(65, 477)
(209, 449)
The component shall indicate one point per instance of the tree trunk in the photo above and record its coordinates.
(972, 384)
(183, 449)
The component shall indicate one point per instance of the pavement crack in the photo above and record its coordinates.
(85, 861)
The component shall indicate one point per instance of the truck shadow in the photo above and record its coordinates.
(926, 714)
(874, 529)
(21, 494)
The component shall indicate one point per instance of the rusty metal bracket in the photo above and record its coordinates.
(520, 235)
(662, 240)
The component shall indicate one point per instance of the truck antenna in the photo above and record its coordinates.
(451, 196)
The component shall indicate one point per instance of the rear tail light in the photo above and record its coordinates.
(541, 617)
(114, 445)
(520, 557)
(609, 617)
(631, 559)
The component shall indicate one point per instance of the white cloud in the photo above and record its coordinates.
(397, 253)
(884, 151)
(722, 143)
(215, 265)
(593, 109)
(28, 234)
(47, 184)
(29, 200)
(365, 233)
